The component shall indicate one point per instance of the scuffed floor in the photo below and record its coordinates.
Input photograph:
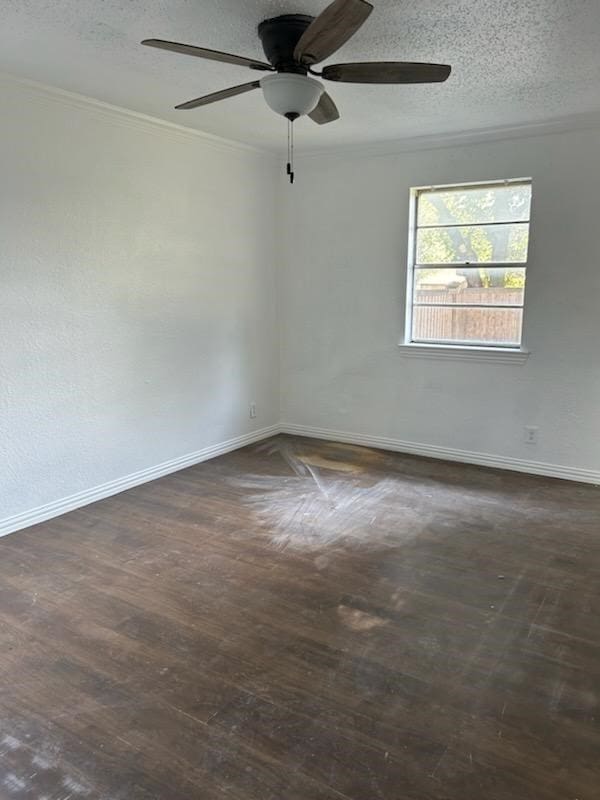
(302, 620)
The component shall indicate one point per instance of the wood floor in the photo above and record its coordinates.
(307, 621)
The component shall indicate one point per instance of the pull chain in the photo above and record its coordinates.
(289, 161)
(290, 153)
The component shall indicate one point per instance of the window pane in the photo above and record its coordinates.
(486, 326)
(481, 286)
(461, 206)
(473, 245)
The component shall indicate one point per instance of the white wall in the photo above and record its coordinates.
(138, 295)
(343, 306)
(140, 269)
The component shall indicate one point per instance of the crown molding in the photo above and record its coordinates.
(438, 141)
(117, 115)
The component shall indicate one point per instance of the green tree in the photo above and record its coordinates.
(462, 242)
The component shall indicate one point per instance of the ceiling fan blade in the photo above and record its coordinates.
(203, 52)
(325, 111)
(387, 72)
(222, 95)
(331, 29)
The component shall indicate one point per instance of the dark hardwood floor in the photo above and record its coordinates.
(302, 620)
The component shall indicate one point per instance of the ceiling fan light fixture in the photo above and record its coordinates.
(291, 93)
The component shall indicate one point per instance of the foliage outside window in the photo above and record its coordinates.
(468, 267)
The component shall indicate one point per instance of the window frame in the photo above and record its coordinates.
(508, 352)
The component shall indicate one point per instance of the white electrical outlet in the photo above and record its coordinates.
(531, 434)
(252, 410)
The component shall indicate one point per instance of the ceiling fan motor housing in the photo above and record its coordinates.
(289, 91)
(279, 37)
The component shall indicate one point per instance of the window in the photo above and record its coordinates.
(468, 262)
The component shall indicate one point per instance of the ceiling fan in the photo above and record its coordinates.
(293, 44)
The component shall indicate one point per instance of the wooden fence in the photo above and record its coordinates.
(468, 324)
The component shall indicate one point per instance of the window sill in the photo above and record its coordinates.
(490, 355)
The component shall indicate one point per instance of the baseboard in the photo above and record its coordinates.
(58, 507)
(448, 453)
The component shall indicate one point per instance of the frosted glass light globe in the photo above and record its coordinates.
(289, 93)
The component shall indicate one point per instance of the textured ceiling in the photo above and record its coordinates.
(514, 61)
